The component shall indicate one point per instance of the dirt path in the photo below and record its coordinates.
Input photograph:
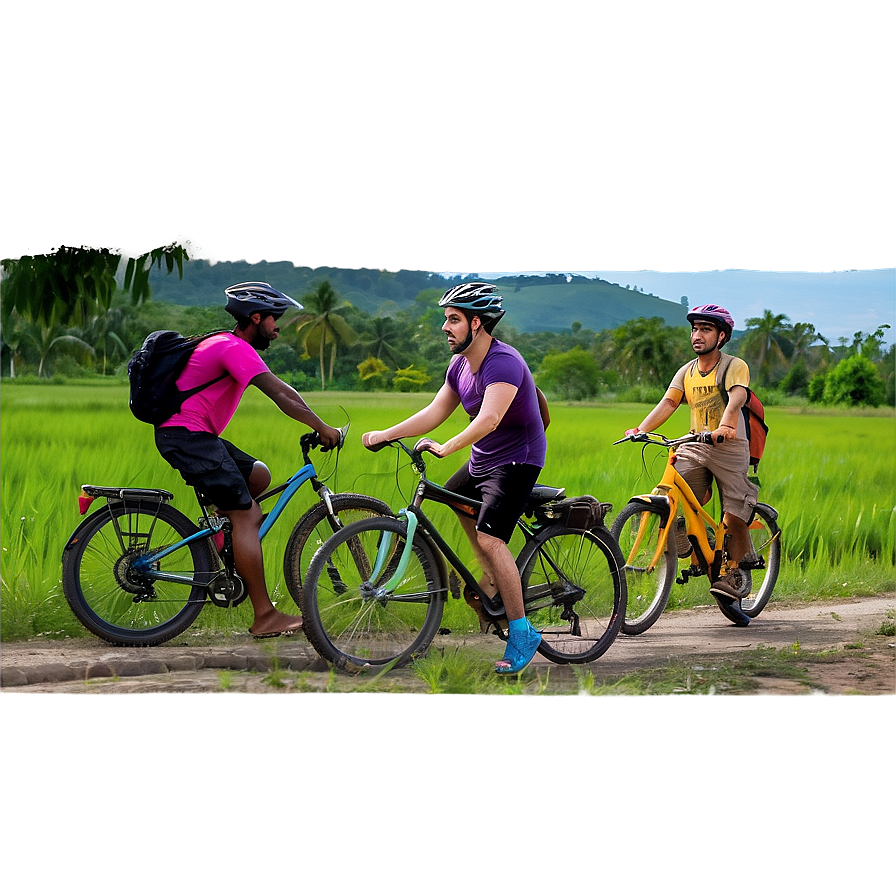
(861, 660)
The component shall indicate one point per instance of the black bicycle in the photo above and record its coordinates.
(375, 591)
(137, 572)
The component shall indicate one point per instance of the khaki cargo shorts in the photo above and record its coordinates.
(727, 464)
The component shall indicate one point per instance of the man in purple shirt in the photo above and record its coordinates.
(508, 417)
(231, 479)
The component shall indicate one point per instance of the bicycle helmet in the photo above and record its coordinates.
(477, 298)
(244, 299)
(715, 314)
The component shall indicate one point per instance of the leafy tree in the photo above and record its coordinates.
(410, 379)
(573, 375)
(69, 285)
(854, 381)
(815, 389)
(50, 337)
(648, 350)
(797, 380)
(372, 373)
(323, 326)
(763, 340)
(382, 338)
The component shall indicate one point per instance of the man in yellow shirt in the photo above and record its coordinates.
(716, 407)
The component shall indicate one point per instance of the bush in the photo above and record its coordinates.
(855, 381)
(572, 375)
(815, 389)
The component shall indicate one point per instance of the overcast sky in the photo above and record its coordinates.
(839, 304)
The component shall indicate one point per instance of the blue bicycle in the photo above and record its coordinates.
(137, 572)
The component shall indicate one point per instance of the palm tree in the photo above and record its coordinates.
(648, 350)
(322, 326)
(380, 339)
(48, 337)
(764, 340)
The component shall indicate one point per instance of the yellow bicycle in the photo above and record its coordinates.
(669, 525)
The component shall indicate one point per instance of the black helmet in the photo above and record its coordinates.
(477, 298)
(243, 299)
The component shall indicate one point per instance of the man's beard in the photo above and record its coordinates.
(260, 342)
(463, 346)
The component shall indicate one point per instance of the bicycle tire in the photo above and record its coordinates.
(106, 595)
(574, 591)
(315, 527)
(766, 537)
(648, 591)
(351, 629)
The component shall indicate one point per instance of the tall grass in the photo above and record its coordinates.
(831, 478)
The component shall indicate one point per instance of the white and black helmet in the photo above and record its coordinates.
(244, 299)
(476, 297)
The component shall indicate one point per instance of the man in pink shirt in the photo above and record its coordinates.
(231, 479)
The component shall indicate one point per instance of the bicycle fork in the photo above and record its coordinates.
(382, 556)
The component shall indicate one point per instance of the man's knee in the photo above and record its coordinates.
(259, 478)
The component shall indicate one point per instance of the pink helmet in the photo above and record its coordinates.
(715, 314)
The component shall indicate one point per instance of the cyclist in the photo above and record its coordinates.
(229, 478)
(727, 459)
(506, 431)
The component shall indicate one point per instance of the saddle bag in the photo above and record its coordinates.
(581, 514)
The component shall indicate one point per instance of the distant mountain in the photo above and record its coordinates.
(534, 303)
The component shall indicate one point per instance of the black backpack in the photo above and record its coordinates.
(153, 372)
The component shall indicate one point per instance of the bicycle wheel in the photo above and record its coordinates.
(574, 592)
(766, 537)
(636, 528)
(316, 526)
(354, 623)
(110, 597)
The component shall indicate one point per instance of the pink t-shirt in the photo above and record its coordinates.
(212, 409)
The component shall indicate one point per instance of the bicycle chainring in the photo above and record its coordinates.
(227, 591)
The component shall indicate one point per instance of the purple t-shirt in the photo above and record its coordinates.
(211, 409)
(519, 437)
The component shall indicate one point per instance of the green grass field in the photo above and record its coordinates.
(831, 478)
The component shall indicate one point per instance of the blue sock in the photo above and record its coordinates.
(519, 625)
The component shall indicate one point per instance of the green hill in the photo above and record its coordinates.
(534, 303)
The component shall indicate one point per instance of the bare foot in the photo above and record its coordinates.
(275, 623)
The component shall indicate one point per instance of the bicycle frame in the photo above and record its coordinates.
(429, 490)
(672, 494)
(145, 564)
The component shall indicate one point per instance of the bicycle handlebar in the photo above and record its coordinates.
(657, 438)
(312, 440)
(415, 453)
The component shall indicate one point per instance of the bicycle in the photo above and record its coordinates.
(137, 572)
(375, 592)
(652, 552)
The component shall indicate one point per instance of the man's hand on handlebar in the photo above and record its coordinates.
(330, 437)
(430, 445)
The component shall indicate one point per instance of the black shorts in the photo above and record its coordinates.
(212, 464)
(504, 492)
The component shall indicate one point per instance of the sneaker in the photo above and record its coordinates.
(681, 538)
(752, 561)
(521, 648)
(729, 591)
(736, 585)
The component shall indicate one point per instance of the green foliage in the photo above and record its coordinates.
(372, 374)
(572, 375)
(855, 382)
(797, 380)
(410, 379)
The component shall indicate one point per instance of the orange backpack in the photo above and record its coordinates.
(753, 411)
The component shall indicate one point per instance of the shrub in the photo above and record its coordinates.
(854, 381)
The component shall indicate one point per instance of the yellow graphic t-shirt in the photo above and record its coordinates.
(703, 396)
